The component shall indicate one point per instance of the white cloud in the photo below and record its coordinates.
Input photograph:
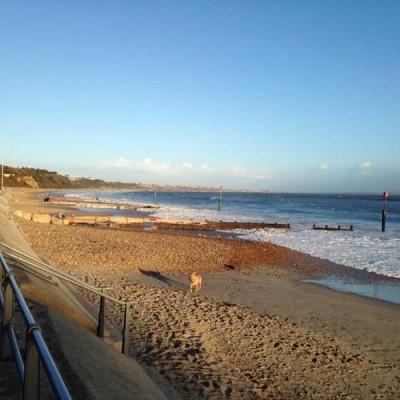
(120, 162)
(205, 168)
(188, 171)
(365, 167)
(187, 165)
(323, 167)
(147, 165)
(147, 161)
(251, 173)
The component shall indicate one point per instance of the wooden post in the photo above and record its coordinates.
(383, 219)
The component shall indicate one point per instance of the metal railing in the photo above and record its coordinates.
(36, 352)
(32, 265)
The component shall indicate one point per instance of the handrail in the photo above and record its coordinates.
(38, 265)
(36, 352)
(59, 274)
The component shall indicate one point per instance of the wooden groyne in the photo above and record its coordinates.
(332, 228)
(144, 222)
(218, 225)
(79, 203)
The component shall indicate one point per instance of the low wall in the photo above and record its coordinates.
(94, 220)
(155, 223)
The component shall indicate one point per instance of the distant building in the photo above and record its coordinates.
(78, 179)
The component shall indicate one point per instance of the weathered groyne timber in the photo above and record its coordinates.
(69, 214)
(144, 222)
(79, 203)
(332, 228)
(221, 225)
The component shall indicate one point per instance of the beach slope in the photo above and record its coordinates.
(255, 331)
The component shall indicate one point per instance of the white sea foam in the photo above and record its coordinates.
(372, 251)
(364, 249)
(208, 214)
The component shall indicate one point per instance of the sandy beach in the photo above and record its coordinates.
(254, 332)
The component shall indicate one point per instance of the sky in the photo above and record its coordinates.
(259, 95)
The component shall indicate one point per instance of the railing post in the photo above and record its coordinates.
(36, 351)
(100, 324)
(125, 333)
(8, 315)
(1, 273)
(32, 367)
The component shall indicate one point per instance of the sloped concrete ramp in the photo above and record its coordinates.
(91, 368)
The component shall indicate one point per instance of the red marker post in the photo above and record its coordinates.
(385, 200)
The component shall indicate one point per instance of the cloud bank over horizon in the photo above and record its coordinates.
(322, 177)
(186, 172)
(363, 176)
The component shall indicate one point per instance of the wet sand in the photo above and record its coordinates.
(254, 332)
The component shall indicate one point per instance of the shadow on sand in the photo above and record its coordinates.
(162, 278)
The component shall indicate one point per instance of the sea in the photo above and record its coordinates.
(366, 247)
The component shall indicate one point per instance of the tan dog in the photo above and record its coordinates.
(195, 281)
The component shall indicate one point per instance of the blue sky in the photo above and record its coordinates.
(273, 95)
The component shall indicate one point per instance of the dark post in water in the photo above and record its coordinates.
(385, 199)
(220, 199)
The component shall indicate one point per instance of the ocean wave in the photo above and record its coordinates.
(364, 248)
(373, 252)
